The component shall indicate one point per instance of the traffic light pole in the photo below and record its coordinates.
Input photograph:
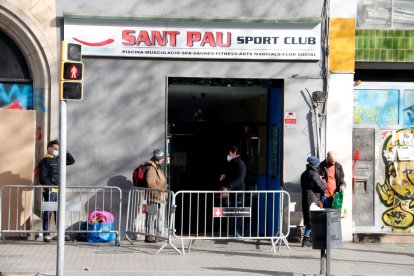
(70, 88)
(62, 192)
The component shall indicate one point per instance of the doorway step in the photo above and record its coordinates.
(383, 237)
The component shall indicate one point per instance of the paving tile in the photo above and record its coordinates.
(206, 258)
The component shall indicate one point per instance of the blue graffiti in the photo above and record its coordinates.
(39, 102)
(409, 116)
(408, 111)
(16, 96)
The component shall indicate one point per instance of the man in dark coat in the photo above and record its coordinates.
(235, 173)
(233, 180)
(333, 174)
(312, 187)
(49, 176)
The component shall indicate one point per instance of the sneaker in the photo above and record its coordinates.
(307, 242)
(150, 241)
(47, 238)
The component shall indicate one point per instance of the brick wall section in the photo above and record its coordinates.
(43, 15)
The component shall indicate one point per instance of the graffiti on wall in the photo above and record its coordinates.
(408, 110)
(409, 115)
(379, 107)
(16, 96)
(397, 191)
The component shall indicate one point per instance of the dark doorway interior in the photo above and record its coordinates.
(205, 118)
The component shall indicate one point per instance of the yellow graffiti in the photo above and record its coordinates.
(386, 193)
(397, 193)
(372, 115)
(398, 218)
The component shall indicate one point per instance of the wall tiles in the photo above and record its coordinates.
(384, 45)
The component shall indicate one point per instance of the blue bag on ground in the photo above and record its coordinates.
(103, 236)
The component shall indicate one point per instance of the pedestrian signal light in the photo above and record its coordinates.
(71, 91)
(71, 51)
(72, 71)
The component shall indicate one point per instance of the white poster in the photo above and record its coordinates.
(405, 153)
(266, 41)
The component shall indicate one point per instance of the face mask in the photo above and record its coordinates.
(55, 153)
(229, 158)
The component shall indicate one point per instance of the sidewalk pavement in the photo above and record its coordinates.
(233, 257)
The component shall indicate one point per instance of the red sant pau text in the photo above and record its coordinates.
(162, 38)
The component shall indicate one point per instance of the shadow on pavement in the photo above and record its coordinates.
(255, 271)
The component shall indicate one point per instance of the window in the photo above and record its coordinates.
(384, 107)
(16, 89)
(378, 107)
(385, 14)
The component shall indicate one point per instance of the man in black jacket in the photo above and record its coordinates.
(312, 187)
(233, 180)
(49, 176)
(235, 173)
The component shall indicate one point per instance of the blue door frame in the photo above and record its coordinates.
(269, 205)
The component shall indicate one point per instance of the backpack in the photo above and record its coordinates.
(138, 177)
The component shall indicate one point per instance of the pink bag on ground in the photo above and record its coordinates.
(98, 216)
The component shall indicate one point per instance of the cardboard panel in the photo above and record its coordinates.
(17, 162)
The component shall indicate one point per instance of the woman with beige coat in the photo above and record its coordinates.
(155, 179)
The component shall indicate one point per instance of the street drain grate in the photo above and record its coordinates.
(11, 256)
(114, 251)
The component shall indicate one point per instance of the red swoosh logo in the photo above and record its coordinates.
(95, 44)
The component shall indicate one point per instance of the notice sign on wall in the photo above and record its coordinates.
(290, 120)
(231, 212)
(268, 41)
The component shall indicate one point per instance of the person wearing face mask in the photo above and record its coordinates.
(155, 179)
(233, 180)
(49, 176)
(333, 174)
(235, 174)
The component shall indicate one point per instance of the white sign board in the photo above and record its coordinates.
(290, 120)
(267, 41)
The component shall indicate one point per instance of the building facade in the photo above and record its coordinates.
(191, 78)
(383, 119)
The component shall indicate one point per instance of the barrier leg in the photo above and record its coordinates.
(168, 242)
(129, 239)
(274, 245)
(182, 246)
(189, 246)
(285, 241)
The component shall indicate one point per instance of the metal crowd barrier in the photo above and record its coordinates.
(23, 208)
(212, 215)
(151, 214)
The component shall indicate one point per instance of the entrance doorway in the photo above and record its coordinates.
(207, 116)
